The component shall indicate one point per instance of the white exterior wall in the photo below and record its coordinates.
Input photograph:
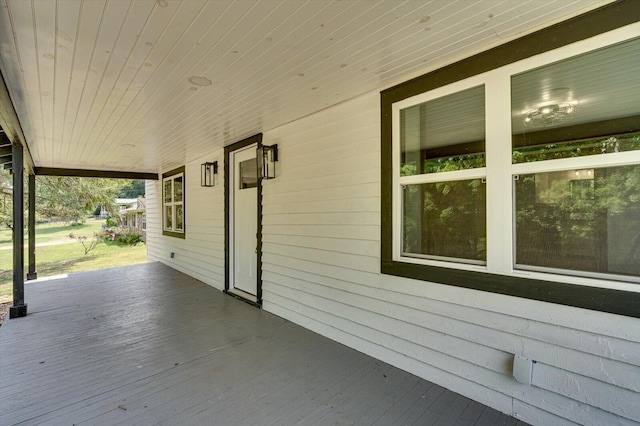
(321, 234)
(201, 253)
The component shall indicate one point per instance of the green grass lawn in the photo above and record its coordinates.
(66, 258)
(54, 231)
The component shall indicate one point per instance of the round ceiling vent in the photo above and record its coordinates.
(198, 80)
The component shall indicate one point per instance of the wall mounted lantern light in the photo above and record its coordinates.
(208, 173)
(267, 155)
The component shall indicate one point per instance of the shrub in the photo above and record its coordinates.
(108, 235)
(111, 222)
(121, 236)
(129, 238)
(88, 245)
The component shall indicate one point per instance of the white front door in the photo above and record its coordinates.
(244, 221)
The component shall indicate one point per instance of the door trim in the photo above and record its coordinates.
(255, 139)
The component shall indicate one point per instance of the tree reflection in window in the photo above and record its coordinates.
(580, 220)
(446, 220)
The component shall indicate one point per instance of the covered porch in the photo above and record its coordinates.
(147, 344)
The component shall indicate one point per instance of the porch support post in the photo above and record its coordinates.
(19, 308)
(32, 274)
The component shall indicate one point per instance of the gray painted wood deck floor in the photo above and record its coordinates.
(149, 345)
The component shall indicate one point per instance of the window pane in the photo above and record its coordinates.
(167, 191)
(444, 134)
(248, 174)
(445, 219)
(168, 217)
(177, 189)
(586, 105)
(581, 148)
(580, 220)
(179, 218)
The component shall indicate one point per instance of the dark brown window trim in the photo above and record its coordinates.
(183, 234)
(173, 172)
(604, 19)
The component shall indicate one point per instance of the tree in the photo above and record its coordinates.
(70, 199)
(6, 198)
(584, 219)
(133, 188)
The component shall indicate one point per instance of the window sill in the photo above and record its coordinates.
(174, 234)
(609, 300)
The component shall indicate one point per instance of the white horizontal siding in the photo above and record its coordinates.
(321, 234)
(201, 253)
(321, 269)
(154, 218)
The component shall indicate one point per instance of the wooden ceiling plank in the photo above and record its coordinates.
(188, 25)
(378, 51)
(67, 24)
(405, 58)
(100, 73)
(223, 51)
(229, 64)
(272, 77)
(45, 24)
(309, 63)
(357, 22)
(126, 58)
(91, 15)
(440, 52)
(26, 96)
(138, 68)
(166, 87)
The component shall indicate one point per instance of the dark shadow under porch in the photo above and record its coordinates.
(146, 344)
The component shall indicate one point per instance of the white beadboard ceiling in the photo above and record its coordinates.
(104, 85)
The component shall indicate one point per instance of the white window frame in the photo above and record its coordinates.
(401, 181)
(173, 204)
(500, 171)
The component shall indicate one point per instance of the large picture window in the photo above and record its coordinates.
(575, 142)
(522, 177)
(173, 203)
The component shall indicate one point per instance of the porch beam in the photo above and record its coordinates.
(50, 171)
(6, 150)
(19, 308)
(11, 130)
(32, 274)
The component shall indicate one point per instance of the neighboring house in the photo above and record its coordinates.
(121, 205)
(101, 213)
(134, 218)
(131, 214)
(470, 211)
